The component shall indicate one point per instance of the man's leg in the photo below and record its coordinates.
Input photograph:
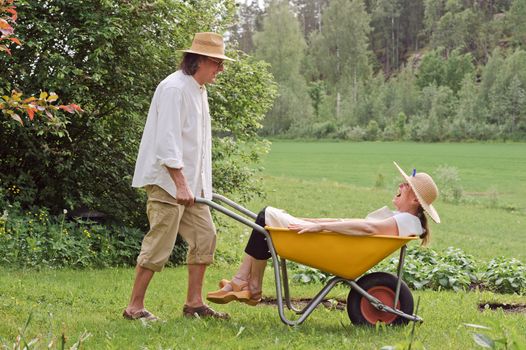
(196, 275)
(156, 247)
(143, 276)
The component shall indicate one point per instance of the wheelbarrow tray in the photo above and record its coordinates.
(341, 255)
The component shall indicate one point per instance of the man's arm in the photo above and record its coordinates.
(184, 193)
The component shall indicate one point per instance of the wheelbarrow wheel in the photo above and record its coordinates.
(382, 286)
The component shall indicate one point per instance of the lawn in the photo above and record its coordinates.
(484, 168)
(73, 302)
(308, 179)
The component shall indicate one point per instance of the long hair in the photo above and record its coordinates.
(426, 236)
(190, 63)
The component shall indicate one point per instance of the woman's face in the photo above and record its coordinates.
(405, 199)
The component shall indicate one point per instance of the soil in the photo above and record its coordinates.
(340, 304)
(331, 304)
(512, 308)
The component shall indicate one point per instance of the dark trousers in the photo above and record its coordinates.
(257, 243)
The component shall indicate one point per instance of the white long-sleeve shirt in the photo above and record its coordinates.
(177, 135)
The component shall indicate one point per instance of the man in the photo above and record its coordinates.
(174, 165)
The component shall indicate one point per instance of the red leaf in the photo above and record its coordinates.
(15, 40)
(30, 113)
(76, 107)
(67, 108)
(12, 11)
(5, 28)
(30, 99)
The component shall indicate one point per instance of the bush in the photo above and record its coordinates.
(448, 181)
(505, 276)
(36, 239)
(451, 269)
(90, 163)
(427, 269)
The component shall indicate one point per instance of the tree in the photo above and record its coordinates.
(281, 44)
(341, 48)
(309, 13)
(438, 70)
(13, 105)
(246, 23)
(108, 56)
(385, 38)
(517, 14)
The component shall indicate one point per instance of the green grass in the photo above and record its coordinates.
(308, 179)
(72, 302)
(483, 168)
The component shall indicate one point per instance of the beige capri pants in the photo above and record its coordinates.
(167, 218)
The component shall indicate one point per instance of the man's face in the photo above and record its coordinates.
(209, 68)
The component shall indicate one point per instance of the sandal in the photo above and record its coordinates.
(239, 292)
(255, 299)
(204, 312)
(223, 283)
(144, 314)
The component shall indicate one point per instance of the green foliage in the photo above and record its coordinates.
(497, 337)
(442, 270)
(428, 269)
(238, 102)
(517, 14)
(281, 44)
(306, 275)
(108, 57)
(438, 70)
(448, 180)
(505, 275)
(37, 239)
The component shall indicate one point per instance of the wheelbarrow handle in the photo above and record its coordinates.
(275, 260)
(232, 214)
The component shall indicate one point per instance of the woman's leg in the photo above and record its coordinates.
(256, 250)
(253, 263)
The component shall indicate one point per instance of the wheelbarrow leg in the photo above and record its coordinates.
(399, 274)
(286, 291)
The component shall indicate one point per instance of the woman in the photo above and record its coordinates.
(413, 198)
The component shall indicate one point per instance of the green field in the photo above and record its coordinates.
(338, 179)
(483, 168)
(308, 179)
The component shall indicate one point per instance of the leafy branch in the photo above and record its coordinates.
(15, 106)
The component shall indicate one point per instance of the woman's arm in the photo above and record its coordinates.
(321, 220)
(355, 227)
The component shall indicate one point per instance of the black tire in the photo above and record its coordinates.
(383, 286)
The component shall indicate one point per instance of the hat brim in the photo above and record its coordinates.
(223, 57)
(428, 208)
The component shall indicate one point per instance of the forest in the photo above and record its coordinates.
(419, 70)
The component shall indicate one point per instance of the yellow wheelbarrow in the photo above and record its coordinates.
(374, 297)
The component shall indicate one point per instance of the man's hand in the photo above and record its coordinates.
(303, 228)
(184, 194)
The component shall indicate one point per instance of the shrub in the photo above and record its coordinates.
(448, 181)
(36, 239)
(505, 275)
(423, 269)
(92, 159)
(306, 275)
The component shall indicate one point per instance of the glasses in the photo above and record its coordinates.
(220, 63)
